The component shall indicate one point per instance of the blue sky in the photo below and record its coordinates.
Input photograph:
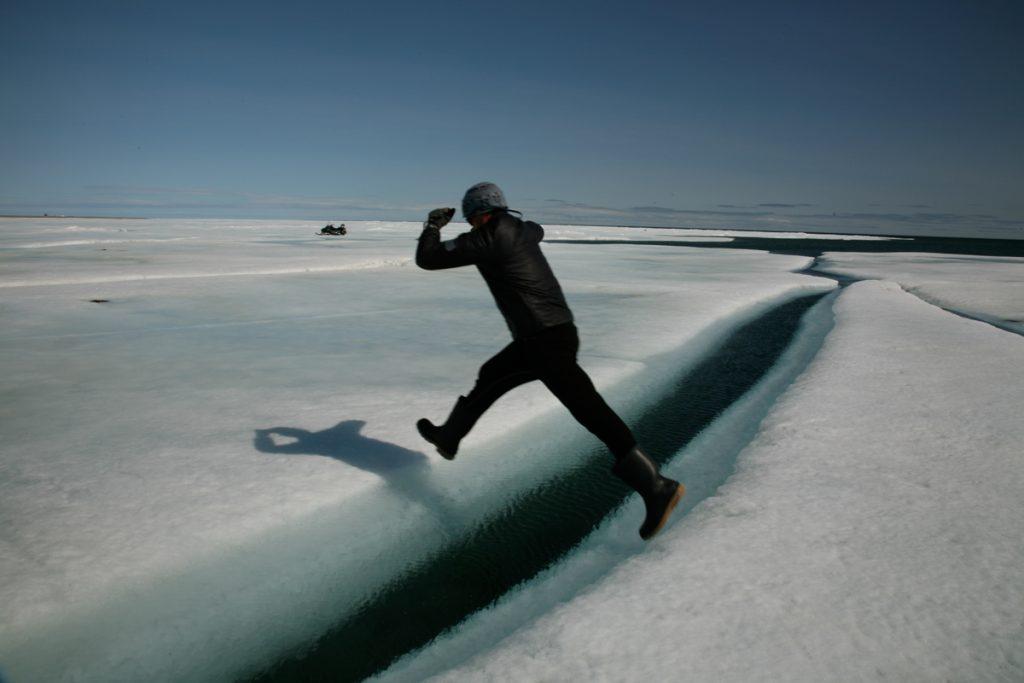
(859, 115)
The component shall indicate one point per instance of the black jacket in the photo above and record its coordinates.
(507, 253)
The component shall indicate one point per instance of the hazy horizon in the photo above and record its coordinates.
(856, 224)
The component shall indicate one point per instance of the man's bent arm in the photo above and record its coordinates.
(466, 249)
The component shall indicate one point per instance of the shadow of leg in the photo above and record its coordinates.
(405, 471)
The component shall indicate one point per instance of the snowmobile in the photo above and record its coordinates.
(329, 229)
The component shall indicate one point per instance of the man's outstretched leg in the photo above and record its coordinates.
(572, 386)
(632, 465)
(505, 371)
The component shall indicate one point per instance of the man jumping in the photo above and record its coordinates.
(506, 251)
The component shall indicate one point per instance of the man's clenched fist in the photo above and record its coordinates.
(438, 218)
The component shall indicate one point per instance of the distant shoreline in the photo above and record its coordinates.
(46, 215)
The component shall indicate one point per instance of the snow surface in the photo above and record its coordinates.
(213, 466)
(990, 288)
(872, 530)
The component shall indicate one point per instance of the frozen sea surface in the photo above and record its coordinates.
(872, 531)
(986, 287)
(208, 450)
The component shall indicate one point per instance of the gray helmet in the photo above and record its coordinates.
(483, 197)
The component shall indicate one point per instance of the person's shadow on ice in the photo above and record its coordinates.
(404, 470)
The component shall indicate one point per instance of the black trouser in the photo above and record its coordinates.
(549, 356)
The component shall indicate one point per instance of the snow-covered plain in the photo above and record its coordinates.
(985, 287)
(208, 454)
(872, 531)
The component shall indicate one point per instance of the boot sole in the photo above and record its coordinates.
(680, 492)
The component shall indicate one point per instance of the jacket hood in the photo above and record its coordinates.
(533, 230)
(528, 230)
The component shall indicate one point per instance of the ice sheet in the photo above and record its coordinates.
(871, 532)
(213, 465)
(986, 287)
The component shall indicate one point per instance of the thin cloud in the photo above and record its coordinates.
(667, 211)
(188, 198)
(560, 206)
(917, 217)
(652, 210)
(134, 190)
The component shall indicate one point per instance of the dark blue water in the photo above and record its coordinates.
(816, 246)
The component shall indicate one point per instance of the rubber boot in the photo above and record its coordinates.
(446, 437)
(660, 494)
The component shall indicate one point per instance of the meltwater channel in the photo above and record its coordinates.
(541, 526)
